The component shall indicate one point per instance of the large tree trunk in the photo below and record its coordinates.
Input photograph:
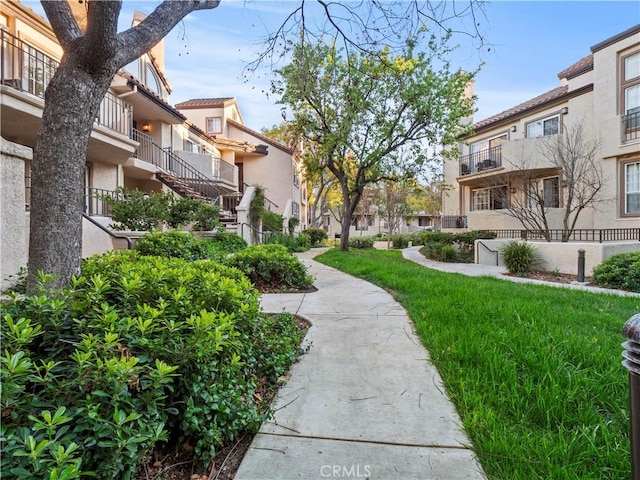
(72, 101)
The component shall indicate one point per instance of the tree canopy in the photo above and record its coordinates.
(374, 116)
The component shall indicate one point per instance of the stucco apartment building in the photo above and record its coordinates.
(139, 140)
(600, 91)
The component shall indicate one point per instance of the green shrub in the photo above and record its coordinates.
(441, 252)
(271, 267)
(427, 236)
(465, 241)
(297, 243)
(228, 242)
(519, 257)
(173, 244)
(137, 210)
(619, 271)
(206, 217)
(139, 350)
(292, 224)
(361, 242)
(317, 236)
(272, 221)
(400, 241)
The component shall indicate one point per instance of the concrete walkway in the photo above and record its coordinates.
(365, 401)
(475, 270)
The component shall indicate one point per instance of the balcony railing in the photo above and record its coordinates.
(480, 161)
(630, 126)
(28, 69)
(224, 171)
(578, 235)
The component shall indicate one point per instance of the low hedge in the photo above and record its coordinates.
(619, 271)
(140, 351)
(271, 268)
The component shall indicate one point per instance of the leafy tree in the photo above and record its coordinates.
(92, 56)
(373, 115)
(392, 203)
(94, 50)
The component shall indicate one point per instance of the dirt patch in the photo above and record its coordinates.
(551, 277)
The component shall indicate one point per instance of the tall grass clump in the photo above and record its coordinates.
(519, 257)
(534, 371)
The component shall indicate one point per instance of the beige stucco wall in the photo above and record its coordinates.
(557, 255)
(14, 220)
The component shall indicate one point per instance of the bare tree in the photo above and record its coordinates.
(392, 204)
(575, 182)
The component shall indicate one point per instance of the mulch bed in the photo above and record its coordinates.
(551, 277)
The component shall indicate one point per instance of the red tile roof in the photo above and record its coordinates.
(583, 65)
(551, 95)
(205, 102)
(260, 136)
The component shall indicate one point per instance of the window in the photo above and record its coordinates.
(424, 222)
(632, 188)
(541, 128)
(489, 198)
(191, 146)
(296, 179)
(214, 125)
(551, 189)
(630, 91)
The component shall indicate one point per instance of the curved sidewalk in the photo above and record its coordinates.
(365, 401)
(477, 270)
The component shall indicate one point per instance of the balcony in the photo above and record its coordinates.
(481, 161)
(630, 126)
(25, 72)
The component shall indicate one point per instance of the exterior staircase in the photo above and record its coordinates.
(181, 177)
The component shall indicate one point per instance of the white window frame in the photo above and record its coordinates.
(212, 129)
(631, 186)
(540, 124)
(483, 199)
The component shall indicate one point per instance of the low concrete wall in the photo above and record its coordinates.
(14, 220)
(557, 255)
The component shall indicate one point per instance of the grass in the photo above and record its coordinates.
(534, 371)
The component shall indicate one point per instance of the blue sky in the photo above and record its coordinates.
(530, 42)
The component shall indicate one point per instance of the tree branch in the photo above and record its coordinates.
(140, 39)
(62, 21)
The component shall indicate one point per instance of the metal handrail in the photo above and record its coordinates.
(106, 230)
(480, 242)
(172, 164)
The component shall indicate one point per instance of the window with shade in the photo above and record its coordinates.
(630, 90)
(544, 127)
(632, 188)
(214, 125)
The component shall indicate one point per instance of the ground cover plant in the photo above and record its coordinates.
(619, 271)
(271, 268)
(142, 356)
(534, 371)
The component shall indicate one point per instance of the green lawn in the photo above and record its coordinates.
(534, 371)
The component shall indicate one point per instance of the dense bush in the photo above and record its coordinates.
(519, 257)
(441, 252)
(271, 267)
(619, 271)
(272, 221)
(361, 242)
(173, 244)
(141, 350)
(294, 243)
(400, 241)
(317, 236)
(146, 211)
(228, 242)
